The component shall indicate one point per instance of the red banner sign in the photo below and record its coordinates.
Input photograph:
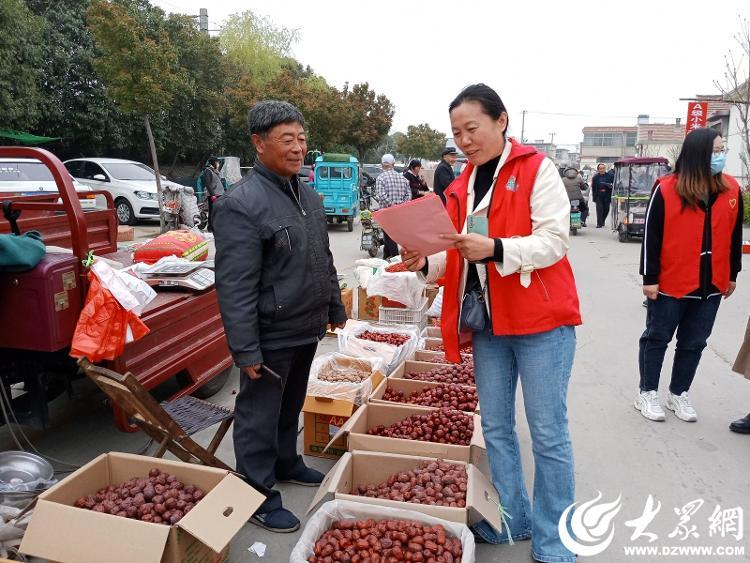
(696, 116)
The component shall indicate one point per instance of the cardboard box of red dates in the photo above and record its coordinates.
(354, 527)
(451, 490)
(395, 390)
(437, 357)
(81, 520)
(462, 374)
(432, 332)
(409, 429)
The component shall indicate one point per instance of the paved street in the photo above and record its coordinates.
(617, 451)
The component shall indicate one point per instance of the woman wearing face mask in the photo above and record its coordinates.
(510, 290)
(690, 257)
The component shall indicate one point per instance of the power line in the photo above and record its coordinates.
(563, 114)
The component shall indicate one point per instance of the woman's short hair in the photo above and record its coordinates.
(486, 97)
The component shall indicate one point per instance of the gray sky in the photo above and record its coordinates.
(598, 63)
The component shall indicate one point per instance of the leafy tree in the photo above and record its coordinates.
(421, 141)
(255, 46)
(191, 125)
(76, 107)
(139, 66)
(20, 55)
(368, 117)
(735, 88)
(387, 145)
(320, 103)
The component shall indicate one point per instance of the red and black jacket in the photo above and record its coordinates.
(692, 252)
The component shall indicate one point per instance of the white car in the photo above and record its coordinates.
(28, 176)
(132, 185)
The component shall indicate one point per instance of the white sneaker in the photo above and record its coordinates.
(681, 406)
(648, 403)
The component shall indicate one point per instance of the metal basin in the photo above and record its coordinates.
(22, 467)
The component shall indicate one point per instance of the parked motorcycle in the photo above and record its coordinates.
(575, 216)
(372, 235)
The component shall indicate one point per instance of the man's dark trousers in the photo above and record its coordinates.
(266, 418)
(390, 248)
(602, 209)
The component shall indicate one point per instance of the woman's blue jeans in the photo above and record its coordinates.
(544, 362)
(693, 319)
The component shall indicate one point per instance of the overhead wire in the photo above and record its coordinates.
(597, 116)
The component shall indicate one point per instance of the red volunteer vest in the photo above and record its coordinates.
(683, 238)
(549, 302)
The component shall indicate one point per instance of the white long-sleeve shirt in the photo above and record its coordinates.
(550, 223)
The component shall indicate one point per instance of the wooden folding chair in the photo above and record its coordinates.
(169, 424)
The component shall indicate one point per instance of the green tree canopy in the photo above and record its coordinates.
(75, 106)
(255, 46)
(20, 57)
(368, 117)
(138, 65)
(421, 141)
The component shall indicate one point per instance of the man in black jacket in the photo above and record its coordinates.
(214, 186)
(278, 290)
(444, 172)
(601, 190)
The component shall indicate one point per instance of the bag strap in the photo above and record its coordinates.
(12, 216)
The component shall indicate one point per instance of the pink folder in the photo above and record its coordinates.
(418, 224)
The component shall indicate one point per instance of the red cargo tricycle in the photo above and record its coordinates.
(39, 308)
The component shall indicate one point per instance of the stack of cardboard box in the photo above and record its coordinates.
(368, 459)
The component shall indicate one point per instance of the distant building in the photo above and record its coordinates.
(543, 147)
(660, 139)
(607, 144)
(562, 157)
(566, 157)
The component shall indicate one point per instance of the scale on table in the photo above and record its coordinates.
(188, 275)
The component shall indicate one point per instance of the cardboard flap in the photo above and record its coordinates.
(379, 390)
(222, 512)
(53, 526)
(326, 405)
(482, 499)
(344, 430)
(331, 480)
(477, 439)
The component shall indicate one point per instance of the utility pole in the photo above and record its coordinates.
(203, 20)
(523, 125)
(552, 140)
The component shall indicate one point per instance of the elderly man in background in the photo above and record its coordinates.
(444, 175)
(278, 290)
(391, 188)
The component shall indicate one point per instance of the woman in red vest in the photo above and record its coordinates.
(690, 257)
(510, 290)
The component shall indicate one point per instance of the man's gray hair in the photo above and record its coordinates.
(267, 114)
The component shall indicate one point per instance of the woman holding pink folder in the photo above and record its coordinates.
(510, 290)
